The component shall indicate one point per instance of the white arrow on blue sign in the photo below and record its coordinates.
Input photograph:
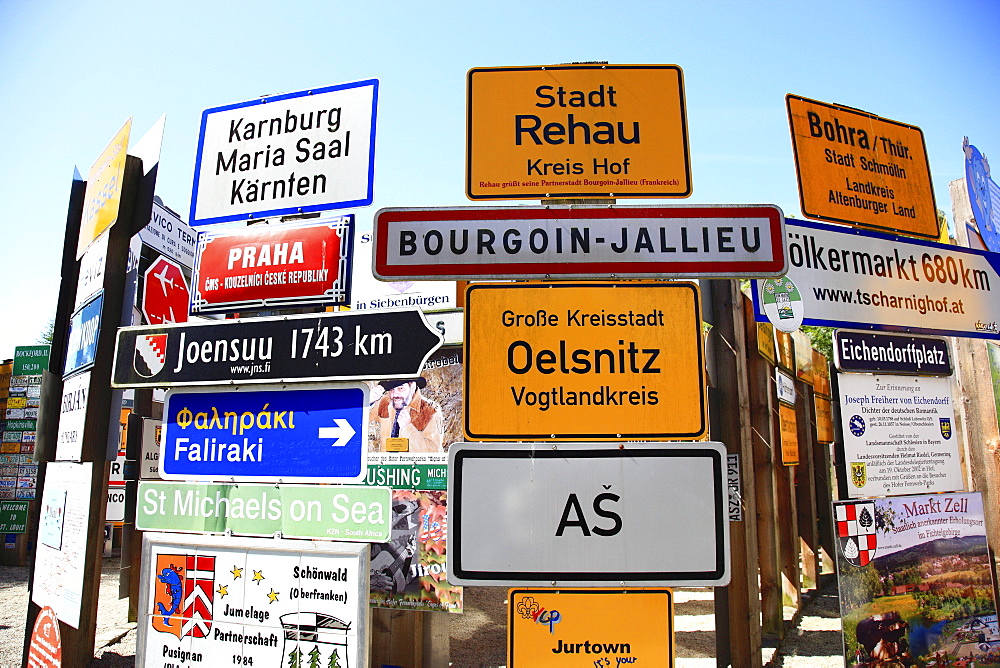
(268, 433)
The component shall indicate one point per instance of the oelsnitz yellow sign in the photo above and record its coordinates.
(590, 627)
(595, 361)
(577, 131)
(857, 168)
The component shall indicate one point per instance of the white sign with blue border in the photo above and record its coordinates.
(270, 433)
(858, 279)
(84, 331)
(313, 150)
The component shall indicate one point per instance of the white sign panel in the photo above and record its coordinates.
(566, 515)
(851, 278)
(72, 416)
(149, 466)
(899, 435)
(368, 292)
(91, 277)
(62, 540)
(786, 387)
(168, 235)
(313, 150)
(226, 601)
(115, 508)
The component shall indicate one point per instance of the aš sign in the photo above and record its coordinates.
(279, 265)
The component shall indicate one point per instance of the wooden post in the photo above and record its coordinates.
(762, 407)
(805, 490)
(737, 627)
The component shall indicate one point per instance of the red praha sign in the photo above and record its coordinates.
(268, 266)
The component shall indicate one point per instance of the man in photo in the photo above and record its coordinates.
(402, 412)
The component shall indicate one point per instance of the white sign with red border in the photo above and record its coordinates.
(265, 266)
(744, 240)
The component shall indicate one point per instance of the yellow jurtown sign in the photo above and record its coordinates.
(590, 627)
(577, 131)
(857, 168)
(595, 361)
(104, 190)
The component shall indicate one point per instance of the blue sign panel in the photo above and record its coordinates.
(266, 434)
(84, 328)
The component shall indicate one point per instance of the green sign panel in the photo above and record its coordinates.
(425, 477)
(30, 360)
(13, 516)
(22, 425)
(332, 512)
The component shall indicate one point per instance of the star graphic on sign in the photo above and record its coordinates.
(273, 596)
(222, 590)
(257, 577)
(237, 572)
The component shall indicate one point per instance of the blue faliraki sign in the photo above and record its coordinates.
(266, 434)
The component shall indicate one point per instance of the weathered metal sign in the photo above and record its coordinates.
(866, 280)
(312, 150)
(579, 242)
(872, 352)
(327, 512)
(572, 510)
(265, 434)
(274, 266)
(857, 168)
(318, 346)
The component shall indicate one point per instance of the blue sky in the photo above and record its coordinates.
(72, 72)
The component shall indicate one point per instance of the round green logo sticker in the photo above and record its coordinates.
(782, 303)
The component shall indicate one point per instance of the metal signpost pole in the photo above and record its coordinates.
(52, 382)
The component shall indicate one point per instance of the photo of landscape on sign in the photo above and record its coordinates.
(915, 583)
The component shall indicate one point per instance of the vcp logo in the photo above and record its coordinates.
(529, 608)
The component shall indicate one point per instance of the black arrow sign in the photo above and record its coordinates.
(317, 346)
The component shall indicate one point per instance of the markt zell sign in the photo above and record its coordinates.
(268, 266)
(857, 168)
(598, 361)
(312, 150)
(579, 242)
(577, 131)
(314, 346)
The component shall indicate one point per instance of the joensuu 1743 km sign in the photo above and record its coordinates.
(579, 242)
(274, 265)
(315, 346)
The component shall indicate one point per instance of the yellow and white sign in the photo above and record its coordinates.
(595, 361)
(104, 190)
(577, 131)
(789, 435)
(584, 627)
(857, 168)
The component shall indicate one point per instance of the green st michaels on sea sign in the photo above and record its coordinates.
(332, 512)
